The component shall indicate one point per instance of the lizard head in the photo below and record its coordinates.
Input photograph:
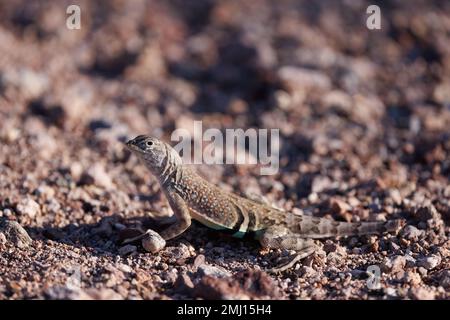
(155, 153)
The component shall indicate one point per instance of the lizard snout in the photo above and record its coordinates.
(140, 143)
(131, 144)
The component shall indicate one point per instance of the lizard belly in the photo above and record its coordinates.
(211, 223)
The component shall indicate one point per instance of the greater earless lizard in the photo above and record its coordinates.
(191, 196)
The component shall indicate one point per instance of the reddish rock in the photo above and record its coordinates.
(243, 285)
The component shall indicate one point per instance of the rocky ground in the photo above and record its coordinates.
(364, 121)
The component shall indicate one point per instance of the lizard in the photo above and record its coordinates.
(192, 197)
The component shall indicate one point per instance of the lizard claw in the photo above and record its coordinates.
(299, 255)
(131, 240)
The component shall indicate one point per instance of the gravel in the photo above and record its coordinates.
(394, 264)
(412, 233)
(429, 262)
(212, 271)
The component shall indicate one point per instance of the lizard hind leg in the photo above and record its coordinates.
(282, 238)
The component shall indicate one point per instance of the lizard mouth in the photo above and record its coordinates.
(132, 146)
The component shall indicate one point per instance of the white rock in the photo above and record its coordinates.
(213, 271)
(31, 83)
(338, 99)
(9, 132)
(429, 263)
(76, 170)
(301, 79)
(13, 232)
(45, 144)
(124, 268)
(153, 242)
(3, 239)
(46, 191)
(100, 176)
(422, 294)
(391, 292)
(53, 206)
(396, 196)
(28, 207)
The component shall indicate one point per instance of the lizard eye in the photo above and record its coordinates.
(149, 143)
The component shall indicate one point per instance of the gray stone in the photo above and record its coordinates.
(213, 271)
(429, 263)
(394, 264)
(28, 207)
(14, 233)
(411, 233)
(444, 279)
(3, 239)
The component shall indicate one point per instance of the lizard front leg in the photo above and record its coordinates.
(282, 238)
(181, 211)
(154, 242)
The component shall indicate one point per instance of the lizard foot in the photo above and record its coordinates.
(292, 260)
(281, 238)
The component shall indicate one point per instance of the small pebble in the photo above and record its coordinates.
(430, 262)
(153, 242)
(46, 191)
(3, 239)
(199, 260)
(444, 279)
(411, 233)
(422, 294)
(124, 268)
(28, 207)
(183, 283)
(214, 271)
(15, 233)
(394, 264)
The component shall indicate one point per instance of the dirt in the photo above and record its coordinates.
(364, 121)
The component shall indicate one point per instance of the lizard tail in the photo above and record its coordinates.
(316, 228)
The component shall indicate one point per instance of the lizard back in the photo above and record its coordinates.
(216, 208)
(230, 212)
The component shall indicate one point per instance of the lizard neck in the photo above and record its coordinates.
(172, 178)
(170, 169)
